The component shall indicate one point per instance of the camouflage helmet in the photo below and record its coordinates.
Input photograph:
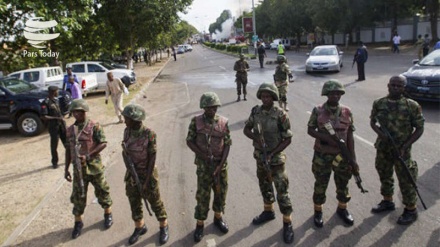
(242, 56)
(79, 105)
(332, 85)
(209, 99)
(134, 111)
(281, 58)
(268, 87)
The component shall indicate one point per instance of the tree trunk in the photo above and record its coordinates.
(433, 18)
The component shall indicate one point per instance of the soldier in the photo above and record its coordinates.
(282, 71)
(57, 126)
(115, 88)
(209, 138)
(241, 66)
(269, 128)
(140, 143)
(327, 155)
(90, 136)
(403, 118)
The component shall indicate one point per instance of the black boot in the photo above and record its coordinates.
(244, 98)
(108, 220)
(264, 217)
(198, 233)
(317, 219)
(77, 229)
(163, 235)
(238, 98)
(408, 217)
(345, 216)
(137, 232)
(288, 233)
(221, 225)
(383, 206)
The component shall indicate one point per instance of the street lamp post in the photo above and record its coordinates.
(254, 27)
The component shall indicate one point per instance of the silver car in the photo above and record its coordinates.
(324, 58)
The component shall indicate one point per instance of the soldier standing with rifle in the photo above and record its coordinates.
(85, 141)
(402, 118)
(269, 128)
(142, 177)
(331, 123)
(209, 138)
(282, 71)
(241, 67)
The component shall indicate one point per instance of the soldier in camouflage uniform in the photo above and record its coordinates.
(90, 136)
(282, 71)
(209, 138)
(269, 128)
(242, 67)
(327, 155)
(404, 120)
(140, 143)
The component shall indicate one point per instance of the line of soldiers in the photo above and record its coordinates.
(268, 126)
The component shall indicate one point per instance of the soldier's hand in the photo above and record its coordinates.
(67, 176)
(106, 101)
(354, 167)
(217, 171)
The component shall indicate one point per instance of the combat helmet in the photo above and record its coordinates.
(135, 112)
(332, 85)
(268, 87)
(209, 99)
(281, 58)
(79, 105)
(242, 56)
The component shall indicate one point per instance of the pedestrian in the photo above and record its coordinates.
(396, 42)
(174, 53)
(327, 155)
(51, 111)
(241, 67)
(115, 87)
(85, 141)
(361, 57)
(419, 46)
(280, 48)
(269, 143)
(141, 147)
(69, 73)
(426, 42)
(282, 72)
(404, 120)
(261, 54)
(209, 138)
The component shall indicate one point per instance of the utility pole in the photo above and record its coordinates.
(254, 27)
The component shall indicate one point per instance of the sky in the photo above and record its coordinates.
(204, 12)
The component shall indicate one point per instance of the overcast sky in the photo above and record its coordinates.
(204, 12)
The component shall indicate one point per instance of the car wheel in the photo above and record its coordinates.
(30, 124)
(338, 69)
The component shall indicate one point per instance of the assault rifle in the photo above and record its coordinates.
(132, 170)
(212, 164)
(346, 155)
(396, 154)
(264, 146)
(77, 165)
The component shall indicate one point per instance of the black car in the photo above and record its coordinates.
(20, 106)
(423, 79)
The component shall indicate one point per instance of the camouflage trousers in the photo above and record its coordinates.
(102, 192)
(241, 80)
(152, 194)
(279, 180)
(385, 166)
(282, 91)
(322, 168)
(205, 183)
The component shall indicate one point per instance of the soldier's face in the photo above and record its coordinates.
(266, 98)
(333, 97)
(79, 115)
(396, 88)
(210, 111)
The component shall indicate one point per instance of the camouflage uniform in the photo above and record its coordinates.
(92, 170)
(205, 181)
(400, 123)
(241, 66)
(137, 141)
(325, 156)
(276, 127)
(282, 73)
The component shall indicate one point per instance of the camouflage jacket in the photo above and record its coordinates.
(281, 72)
(241, 66)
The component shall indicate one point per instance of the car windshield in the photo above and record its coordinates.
(432, 59)
(107, 66)
(323, 52)
(16, 85)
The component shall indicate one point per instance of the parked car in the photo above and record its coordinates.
(20, 106)
(100, 69)
(285, 42)
(188, 47)
(273, 46)
(324, 58)
(423, 79)
(180, 50)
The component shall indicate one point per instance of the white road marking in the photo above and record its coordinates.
(223, 68)
(211, 243)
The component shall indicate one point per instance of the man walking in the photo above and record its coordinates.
(241, 67)
(115, 87)
(282, 72)
(361, 57)
(396, 43)
(66, 84)
(261, 54)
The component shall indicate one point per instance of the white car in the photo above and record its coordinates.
(324, 58)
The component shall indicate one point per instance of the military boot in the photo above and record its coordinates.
(345, 216)
(238, 98)
(383, 206)
(317, 219)
(264, 217)
(198, 233)
(137, 233)
(163, 235)
(244, 97)
(108, 220)
(408, 217)
(77, 229)
(288, 233)
(221, 225)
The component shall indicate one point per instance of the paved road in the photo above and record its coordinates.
(174, 98)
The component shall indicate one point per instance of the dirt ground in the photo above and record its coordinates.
(28, 181)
